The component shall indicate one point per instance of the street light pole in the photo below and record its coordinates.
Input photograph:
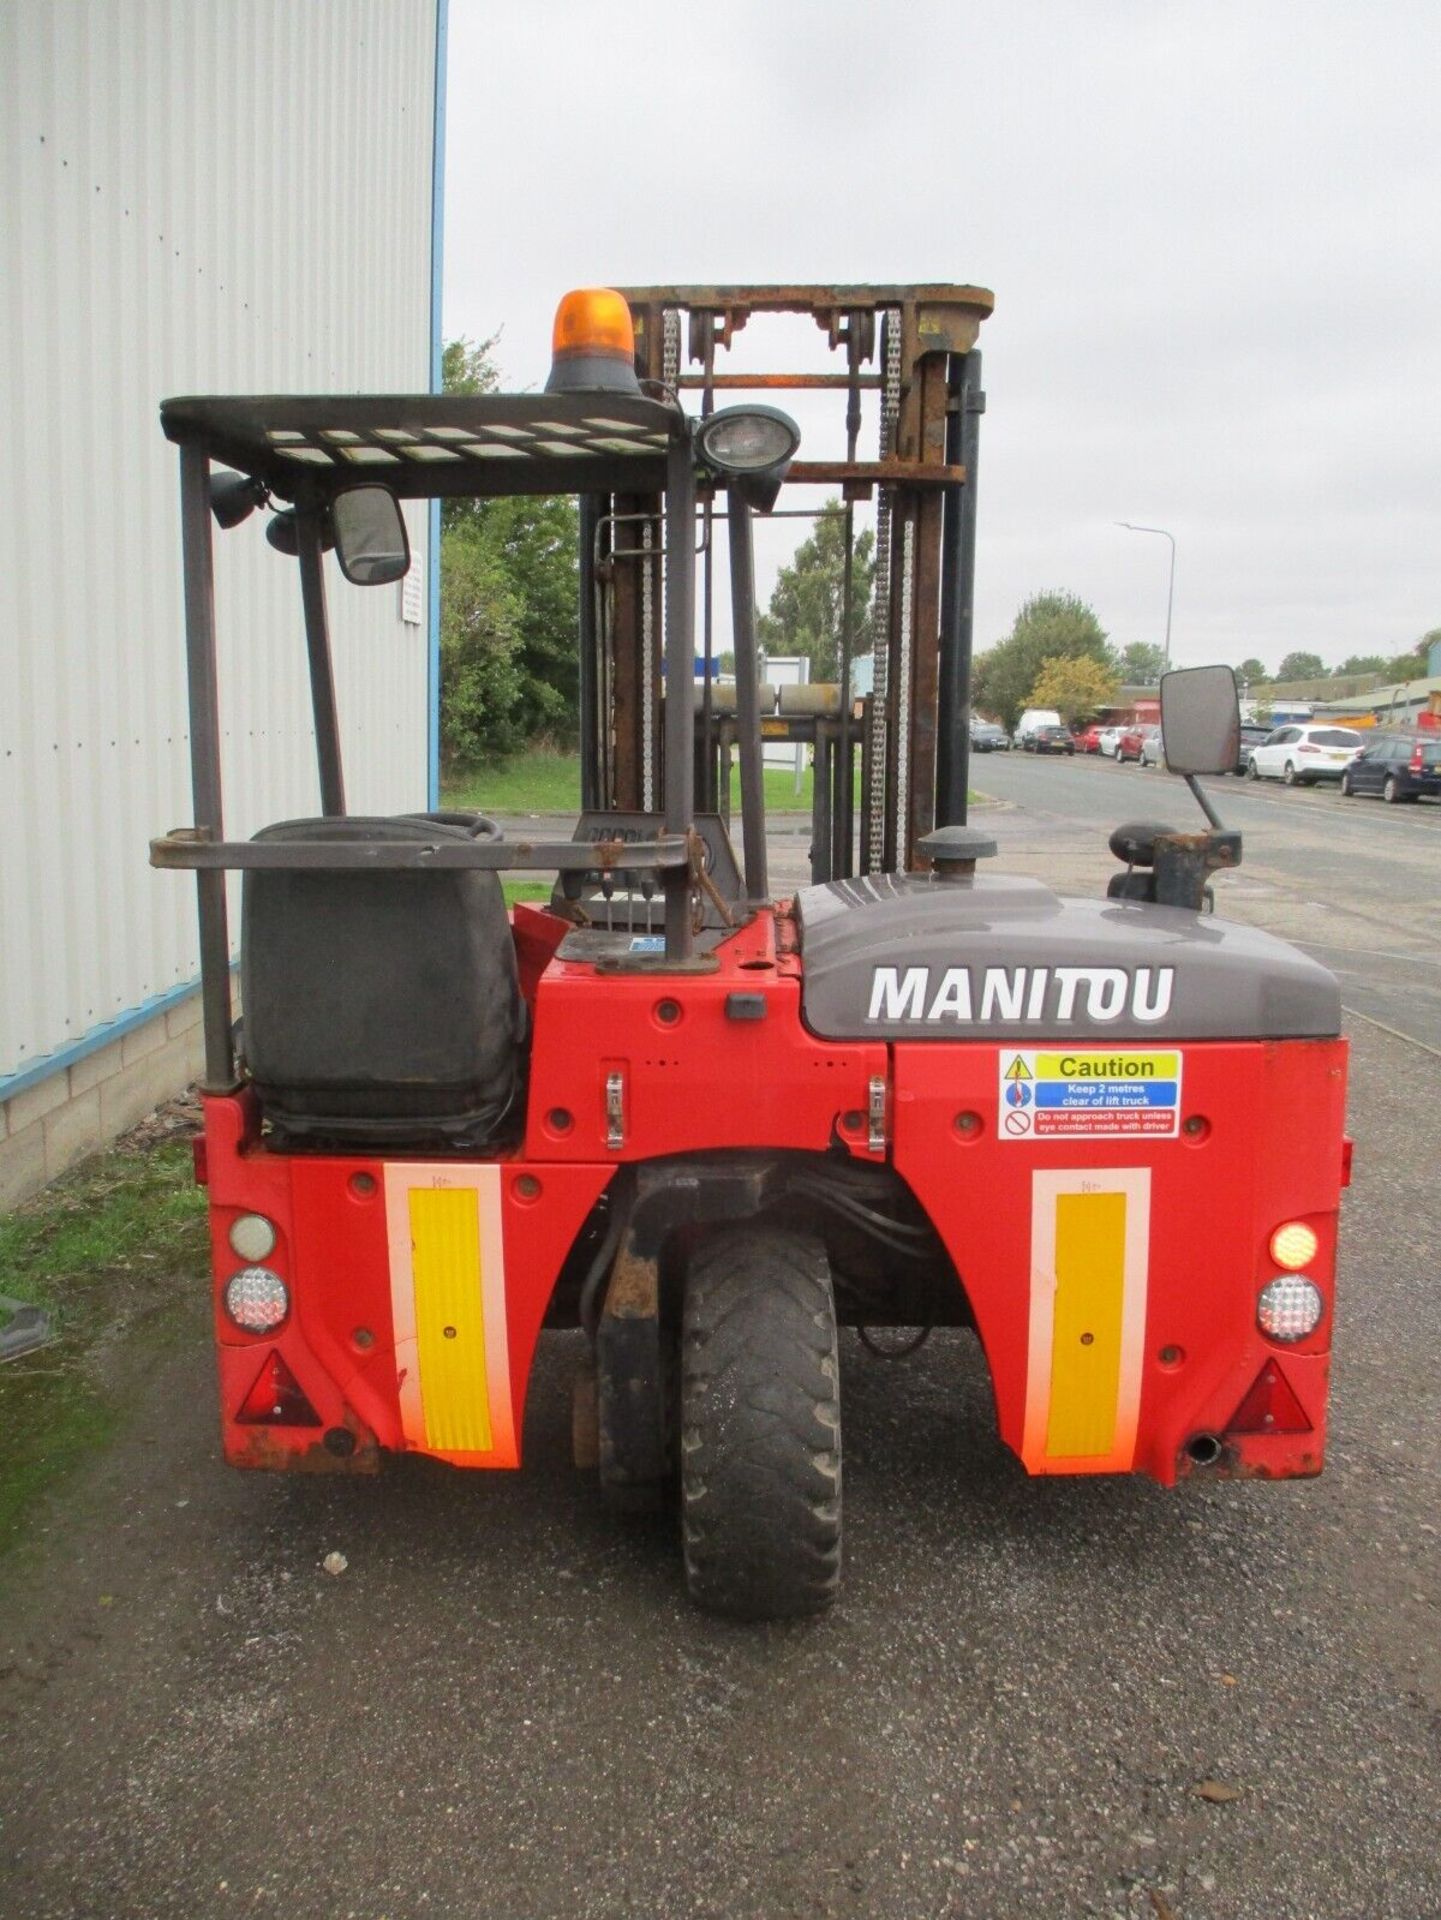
(1171, 585)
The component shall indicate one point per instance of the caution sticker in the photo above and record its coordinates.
(1089, 1093)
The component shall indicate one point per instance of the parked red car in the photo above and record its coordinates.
(1128, 747)
(1088, 740)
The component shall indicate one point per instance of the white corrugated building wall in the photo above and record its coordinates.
(198, 198)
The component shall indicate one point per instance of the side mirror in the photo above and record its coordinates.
(1200, 719)
(370, 538)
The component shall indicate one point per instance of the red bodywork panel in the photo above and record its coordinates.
(1266, 1148)
(334, 1254)
(695, 1078)
(674, 1064)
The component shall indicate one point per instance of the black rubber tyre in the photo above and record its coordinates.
(1346, 788)
(1253, 772)
(1391, 792)
(760, 1426)
(1289, 776)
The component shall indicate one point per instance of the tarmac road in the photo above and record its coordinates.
(1354, 882)
(504, 1705)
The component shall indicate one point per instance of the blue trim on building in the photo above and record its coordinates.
(98, 1037)
(437, 357)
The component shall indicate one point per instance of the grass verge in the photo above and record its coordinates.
(110, 1250)
(535, 891)
(536, 782)
(543, 781)
(546, 782)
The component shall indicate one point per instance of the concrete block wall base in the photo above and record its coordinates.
(82, 1108)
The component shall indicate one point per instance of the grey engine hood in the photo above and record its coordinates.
(903, 956)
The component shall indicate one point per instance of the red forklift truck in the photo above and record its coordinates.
(704, 1125)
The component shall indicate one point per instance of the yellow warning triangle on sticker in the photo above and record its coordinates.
(1018, 1070)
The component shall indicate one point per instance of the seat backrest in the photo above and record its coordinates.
(380, 1007)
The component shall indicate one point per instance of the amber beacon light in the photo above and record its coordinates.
(592, 344)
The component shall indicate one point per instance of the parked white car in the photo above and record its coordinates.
(1110, 740)
(1302, 755)
(1153, 748)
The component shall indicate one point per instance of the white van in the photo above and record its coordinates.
(1032, 718)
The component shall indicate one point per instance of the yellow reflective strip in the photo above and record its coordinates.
(1087, 1324)
(449, 1317)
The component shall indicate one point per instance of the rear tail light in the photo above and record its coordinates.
(1289, 1308)
(1306, 747)
(1294, 1245)
(252, 1237)
(1418, 764)
(256, 1299)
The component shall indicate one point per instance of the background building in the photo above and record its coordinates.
(198, 198)
(1408, 703)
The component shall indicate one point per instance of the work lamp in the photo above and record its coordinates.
(283, 533)
(234, 497)
(751, 449)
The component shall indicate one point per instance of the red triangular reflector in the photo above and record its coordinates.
(276, 1400)
(1270, 1407)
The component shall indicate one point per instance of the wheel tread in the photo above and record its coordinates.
(760, 1436)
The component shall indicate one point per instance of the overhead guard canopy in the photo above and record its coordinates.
(422, 446)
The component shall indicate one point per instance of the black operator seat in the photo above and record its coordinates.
(381, 1009)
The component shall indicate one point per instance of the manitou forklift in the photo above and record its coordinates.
(702, 1124)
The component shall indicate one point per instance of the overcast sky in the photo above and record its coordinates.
(1213, 232)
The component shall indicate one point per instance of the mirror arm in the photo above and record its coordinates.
(1201, 801)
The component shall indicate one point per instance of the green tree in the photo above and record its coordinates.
(808, 600)
(1050, 626)
(536, 542)
(466, 365)
(1301, 666)
(1412, 664)
(509, 587)
(1141, 663)
(1363, 663)
(480, 675)
(1076, 687)
(1252, 673)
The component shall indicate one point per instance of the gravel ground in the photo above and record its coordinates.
(1035, 1699)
